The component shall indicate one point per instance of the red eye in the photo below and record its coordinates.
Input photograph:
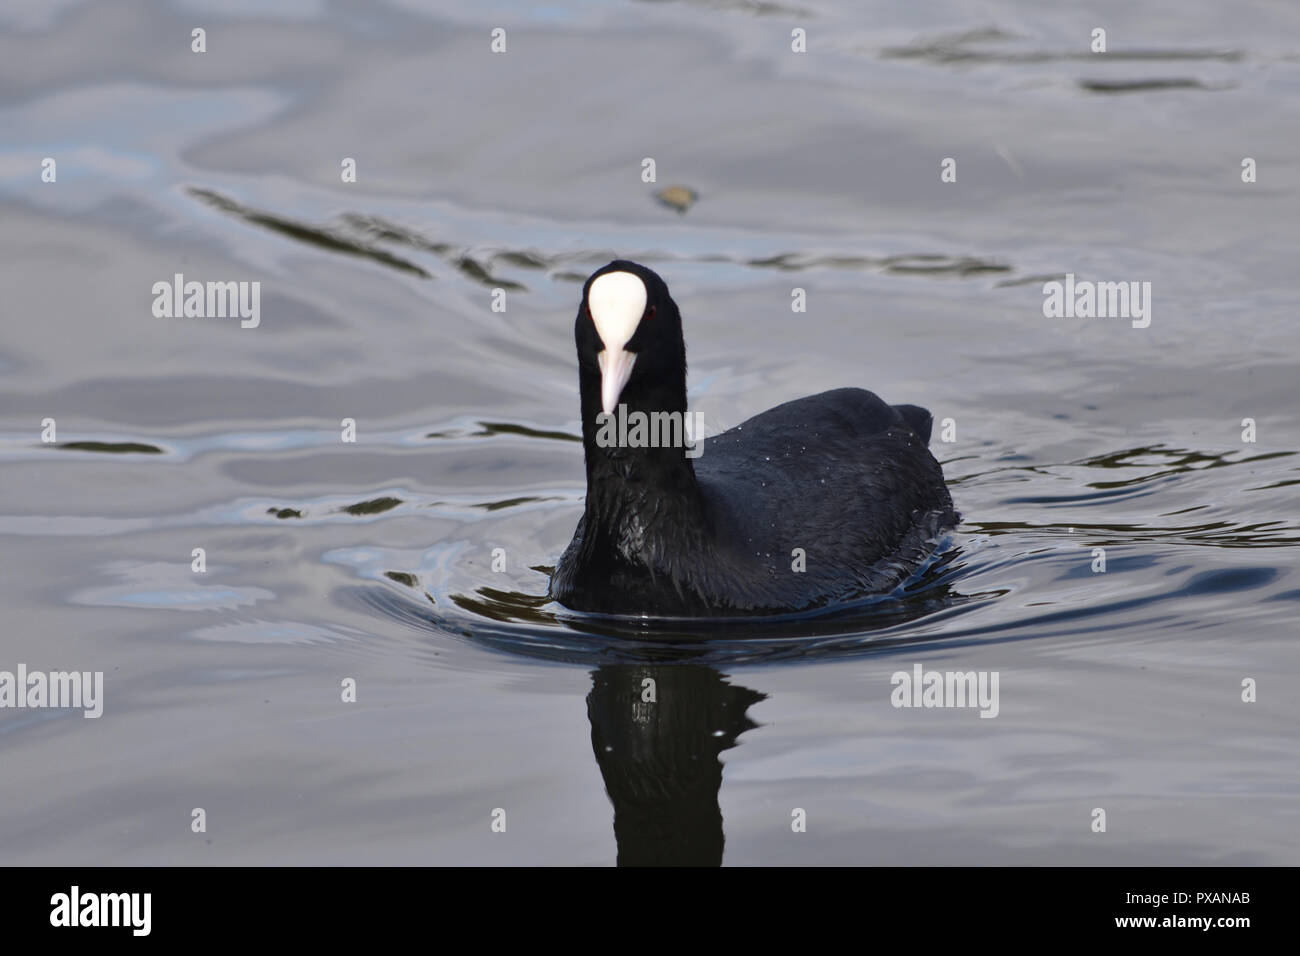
(649, 313)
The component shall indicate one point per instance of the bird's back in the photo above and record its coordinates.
(809, 499)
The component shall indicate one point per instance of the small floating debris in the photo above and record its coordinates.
(680, 198)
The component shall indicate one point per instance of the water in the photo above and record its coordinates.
(372, 560)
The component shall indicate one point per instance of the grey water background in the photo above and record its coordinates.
(521, 171)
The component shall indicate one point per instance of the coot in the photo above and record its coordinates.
(815, 502)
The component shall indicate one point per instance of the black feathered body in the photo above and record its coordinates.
(819, 500)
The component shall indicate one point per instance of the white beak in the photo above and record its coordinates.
(615, 370)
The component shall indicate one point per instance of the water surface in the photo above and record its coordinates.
(521, 172)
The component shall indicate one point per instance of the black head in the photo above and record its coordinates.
(630, 347)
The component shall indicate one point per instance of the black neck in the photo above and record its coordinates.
(637, 494)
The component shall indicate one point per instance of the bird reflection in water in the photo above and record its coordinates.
(658, 732)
